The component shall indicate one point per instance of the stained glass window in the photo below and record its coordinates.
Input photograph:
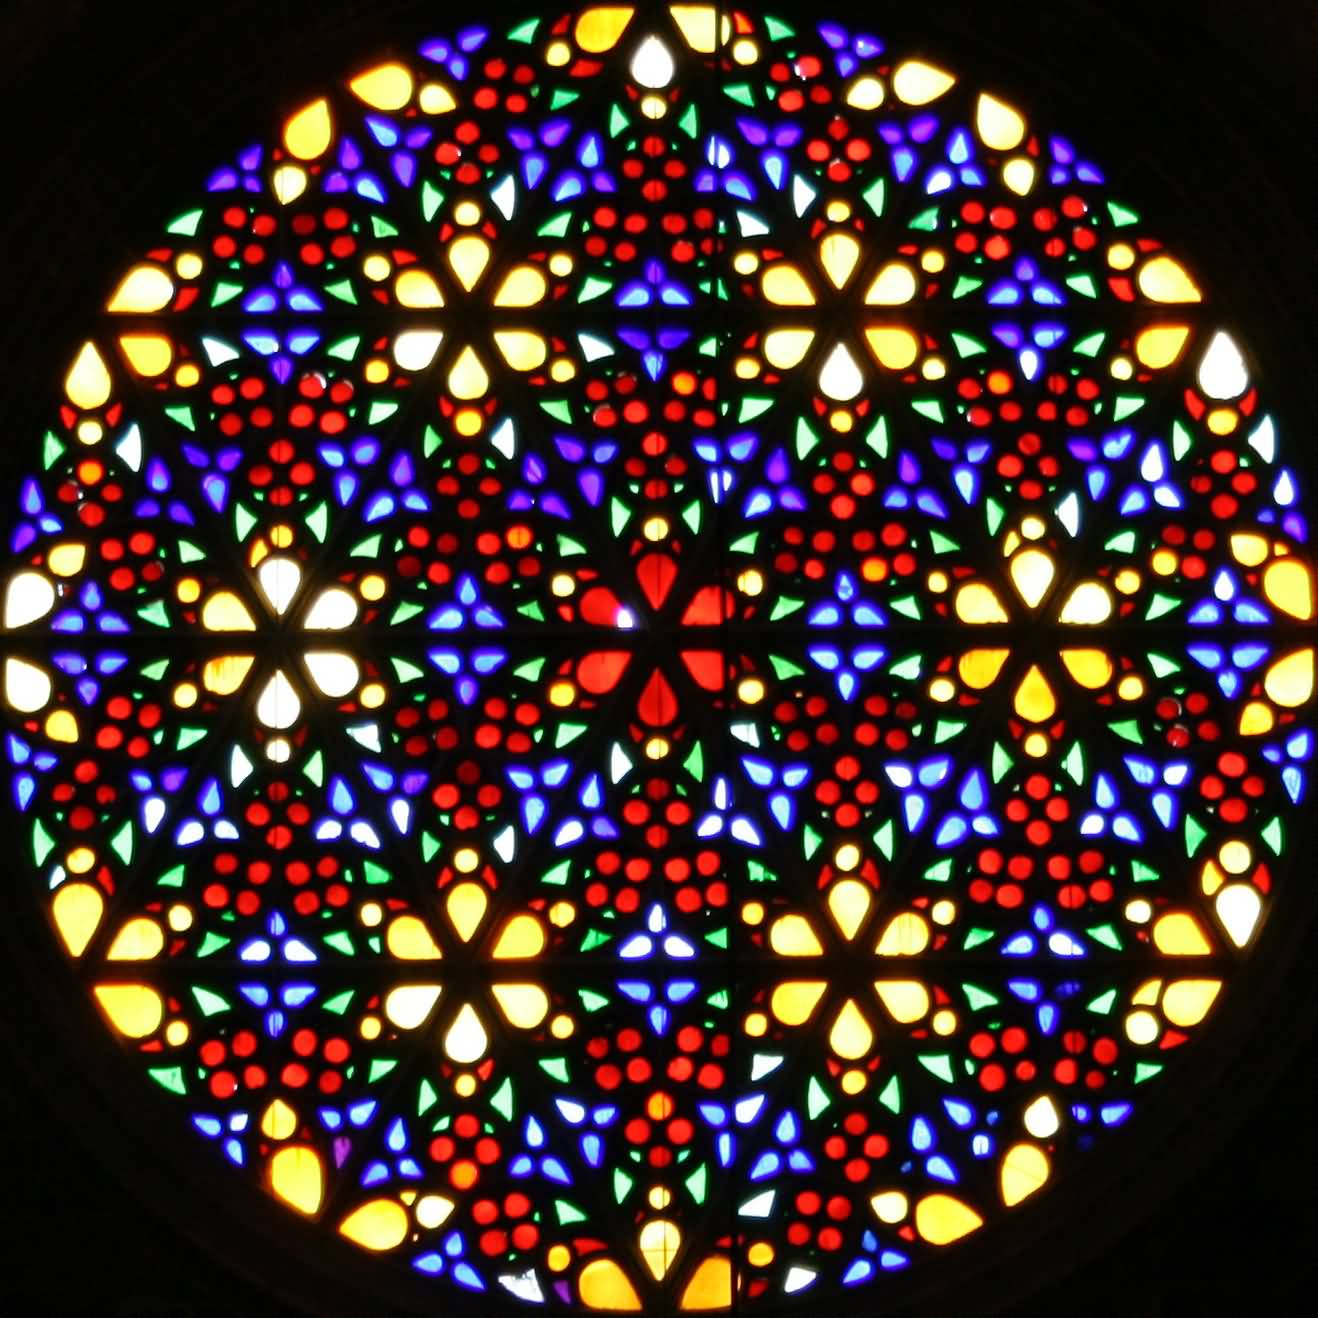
(657, 660)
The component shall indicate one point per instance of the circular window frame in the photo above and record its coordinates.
(117, 1115)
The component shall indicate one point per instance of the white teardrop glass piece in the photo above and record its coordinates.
(1222, 373)
(279, 578)
(30, 596)
(278, 705)
(840, 378)
(334, 672)
(652, 65)
(333, 610)
(466, 1040)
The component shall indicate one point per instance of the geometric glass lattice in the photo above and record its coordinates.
(657, 661)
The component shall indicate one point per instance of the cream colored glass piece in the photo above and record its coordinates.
(27, 687)
(288, 183)
(468, 256)
(135, 1010)
(522, 937)
(906, 1000)
(849, 902)
(979, 669)
(839, 254)
(941, 1219)
(223, 676)
(62, 725)
(1142, 1028)
(1250, 548)
(1210, 879)
(1000, 127)
(408, 939)
(1034, 700)
(414, 350)
(466, 1040)
(794, 1002)
(308, 133)
(1032, 572)
(602, 1284)
(792, 935)
(907, 934)
(521, 349)
(411, 1004)
(88, 381)
(525, 1005)
(890, 1206)
(1187, 1001)
(143, 288)
(652, 65)
(334, 609)
(225, 612)
(334, 673)
(433, 1210)
(785, 286)
(784, 348)
(77, 908)
(1288, 584)
(600, 28)
(278, 1121)
(468, 379)
(1089, 603)
(866, 93)
(278, 705)
(710, 1286)
(385, 87)
(892, 346)
(851, 1037)
(1235, 856)
(30, 596)
(466, 906)
(659, 1241)
(1025, 1168)
(1289, 681)
(141, 939)
(893, 286)
(378, 1225)
(279, 578)
(66, 560)
(435, 98)
(148, 354)
(699, 25)
(522, 286)
(977, 603)
(1223, 374)
(918, 83)
(1091, 668)
(298, 1177)
(1178, 934)
(1256, 718)
(1019, 174)
(1164, 279)
(1160, 345)
(417, 289)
